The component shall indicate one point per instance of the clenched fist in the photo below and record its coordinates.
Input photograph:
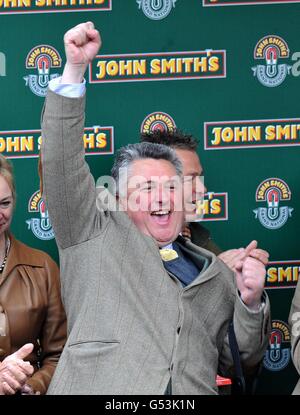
(232, 257)
(250, 277)
(82, 44)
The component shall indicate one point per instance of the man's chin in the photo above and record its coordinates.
(163, 240)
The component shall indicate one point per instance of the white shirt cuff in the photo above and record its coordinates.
(258, 310)
(67, 90)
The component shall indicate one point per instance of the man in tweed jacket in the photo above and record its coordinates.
(135, 328)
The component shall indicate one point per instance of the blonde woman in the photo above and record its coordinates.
(32, 317)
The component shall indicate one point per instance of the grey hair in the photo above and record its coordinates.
(127, 155)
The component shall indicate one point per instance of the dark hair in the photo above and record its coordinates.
(175, 139)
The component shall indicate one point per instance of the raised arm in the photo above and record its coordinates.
(68, 186)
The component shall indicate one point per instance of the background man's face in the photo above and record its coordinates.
(194, 188)
(155, 200)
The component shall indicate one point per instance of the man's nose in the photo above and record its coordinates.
(163, 194)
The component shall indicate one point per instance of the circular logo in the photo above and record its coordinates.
(273, 191)
(158, 121)
(42, 59)
(271, 48)
(278, 353)
(41, 227)
(156, 9)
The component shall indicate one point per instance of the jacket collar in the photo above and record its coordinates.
(21, 254)
(198, 255)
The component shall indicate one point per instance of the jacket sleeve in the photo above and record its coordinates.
(53, 334)
(252, 333)
(294, 322)
(68, 186)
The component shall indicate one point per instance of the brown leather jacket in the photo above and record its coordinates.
(31, 307)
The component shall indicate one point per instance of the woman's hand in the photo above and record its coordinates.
(14, 371)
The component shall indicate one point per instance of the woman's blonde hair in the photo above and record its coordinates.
(6, 171)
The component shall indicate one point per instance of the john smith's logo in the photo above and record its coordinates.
(41, 227)
(271, 49)
(158, 121)
(156, 9)
(273, 191)
(42, 58)
(278, 353)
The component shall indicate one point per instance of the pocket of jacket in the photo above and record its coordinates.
(94, 342)
(88, 350)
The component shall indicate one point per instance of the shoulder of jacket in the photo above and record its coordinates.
(30, 256)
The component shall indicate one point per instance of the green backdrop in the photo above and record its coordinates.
(222, 69)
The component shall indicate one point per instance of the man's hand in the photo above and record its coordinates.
(82, 44)
(232, 257)
(257, 253)
(249, 265)
(14, 372)
(250, 278)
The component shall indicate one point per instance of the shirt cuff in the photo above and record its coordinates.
(67, 90)
(258, 310)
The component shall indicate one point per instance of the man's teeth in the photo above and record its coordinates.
(160, 213)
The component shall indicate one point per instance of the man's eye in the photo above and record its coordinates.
(5, 204)
(146, 187)
(172, 186)
(188, 179)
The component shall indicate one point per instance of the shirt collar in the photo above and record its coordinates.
(170, 246)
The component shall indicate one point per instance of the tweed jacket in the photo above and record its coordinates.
(31, 310)
(131, 325)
